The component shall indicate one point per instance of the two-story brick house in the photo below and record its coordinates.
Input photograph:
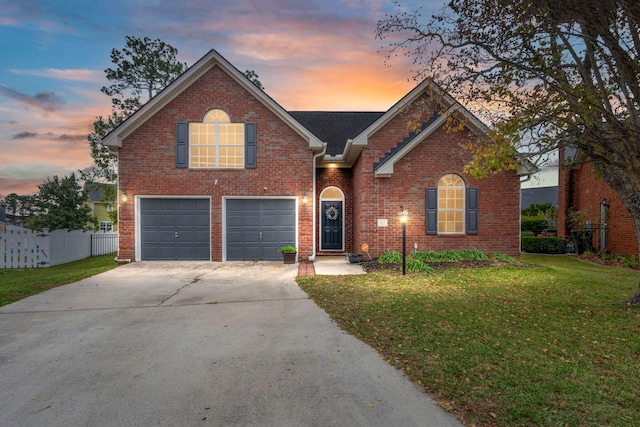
(212, 168)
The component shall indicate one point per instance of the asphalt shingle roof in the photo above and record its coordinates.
(335, 128)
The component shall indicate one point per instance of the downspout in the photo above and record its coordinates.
(313, 192)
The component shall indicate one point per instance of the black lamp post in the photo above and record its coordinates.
(403, 220)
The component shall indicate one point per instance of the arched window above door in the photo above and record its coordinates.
(332, 193)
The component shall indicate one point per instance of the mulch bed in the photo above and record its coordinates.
(595, 259)
(371, 266)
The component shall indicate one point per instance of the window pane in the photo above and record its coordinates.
(231, 157)
(216, 116)
(231, 134)
(225, 139)
(450, 204)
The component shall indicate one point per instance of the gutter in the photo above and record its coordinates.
(313, 191)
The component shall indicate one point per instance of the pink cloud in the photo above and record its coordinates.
(62, 74)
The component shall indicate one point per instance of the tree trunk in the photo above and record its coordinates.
(635, 300)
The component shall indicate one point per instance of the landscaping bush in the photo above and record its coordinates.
(544, 245)
(429, 256)
(624, 259)
(473, 255)
(504, 258)
(534, 224)
(415, 265)
(390, 257)
(527, 234)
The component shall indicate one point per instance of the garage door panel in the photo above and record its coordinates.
(287, 236)
(251, 237)
(287, 218)
(234, 221)
(268, 204)
(257, 228)
(270, 220)
(193, 238)
(270, 236)
(251, 220)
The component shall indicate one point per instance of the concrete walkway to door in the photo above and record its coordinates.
(191, 344)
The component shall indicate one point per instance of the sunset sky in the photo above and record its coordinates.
(310, 55)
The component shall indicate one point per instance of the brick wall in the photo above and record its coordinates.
(439, 154)
(147, 160)
(580, 189)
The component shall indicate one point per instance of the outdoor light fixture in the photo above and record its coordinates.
(124, 197)
(404, 216)
(305, 200)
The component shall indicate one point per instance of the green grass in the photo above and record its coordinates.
(522, 345)
(16, 284)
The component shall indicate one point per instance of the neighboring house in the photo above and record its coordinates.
(586, 202)
(537, 195)
(101, 207)
(212, 168)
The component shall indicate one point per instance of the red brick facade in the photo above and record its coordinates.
(581, 190)
(285, 162)
(147, 160)
(438, 155)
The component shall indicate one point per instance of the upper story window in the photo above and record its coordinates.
(216, 142)
(451, 211)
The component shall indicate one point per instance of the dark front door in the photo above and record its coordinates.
(331, 225)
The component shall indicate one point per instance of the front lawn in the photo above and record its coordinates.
(534, 345)
(16, 284)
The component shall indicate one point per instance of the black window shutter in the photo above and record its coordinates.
(182, 141)
(472, 211)
(432, 211)
(250, 149)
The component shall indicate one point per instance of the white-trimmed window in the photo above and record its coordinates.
(106, 226)
(216, 142)
(451, 205)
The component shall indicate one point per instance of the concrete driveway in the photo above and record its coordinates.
(190, 344)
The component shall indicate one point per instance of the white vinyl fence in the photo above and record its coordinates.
(24, 248)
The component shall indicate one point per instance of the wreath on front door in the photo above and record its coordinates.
(331, 214)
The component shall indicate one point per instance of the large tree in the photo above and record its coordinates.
(143, 65)
(60, 203)
(20, 208)
(544, 73)
(142, 68)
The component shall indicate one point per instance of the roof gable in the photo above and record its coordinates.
(447, 102)
(354, 146)
(116, 136)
